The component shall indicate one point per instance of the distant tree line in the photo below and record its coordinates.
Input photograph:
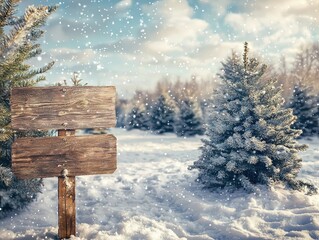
(175, 107)
(301, 87)
(304, 70)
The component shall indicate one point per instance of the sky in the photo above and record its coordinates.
(134, 43)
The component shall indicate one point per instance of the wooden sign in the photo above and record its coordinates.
(62, 107)
(65, 156)
(48, 157)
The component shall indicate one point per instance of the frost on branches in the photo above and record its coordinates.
(18, 44)
(249, 136)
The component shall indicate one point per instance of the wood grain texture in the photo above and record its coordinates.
(66, 208)
(48, 157)
(61, 107)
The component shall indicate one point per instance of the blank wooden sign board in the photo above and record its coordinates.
(63, 107)
(65, 156)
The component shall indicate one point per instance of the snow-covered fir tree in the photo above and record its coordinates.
(188, 121)
(120, 106)
(162, 115)
(18, 43)
(304, 106)
(137, 119)
(249, 136)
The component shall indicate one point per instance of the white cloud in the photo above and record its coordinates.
(160, 47)
(172, 32)
(218, 6)
(308, 11)
(256, 16)
(274, 27)
(210, 52)
(243, 22)
(123, 4)
(174, 28)
(71, 57)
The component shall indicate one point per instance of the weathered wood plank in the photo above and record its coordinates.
(48, 157)
(66, 200)
(66, 208)
(61, 107)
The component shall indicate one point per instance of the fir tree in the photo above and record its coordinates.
(162, 115)
(249, 136)
(120, 112)
(18, 44)
(137, 119)
(188, 122)
(305, 107)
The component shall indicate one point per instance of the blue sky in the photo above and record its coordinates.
(132, 43)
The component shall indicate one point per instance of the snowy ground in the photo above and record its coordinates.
(153, 196)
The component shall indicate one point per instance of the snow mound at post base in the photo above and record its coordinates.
(152, 195)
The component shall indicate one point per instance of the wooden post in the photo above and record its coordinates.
(66, 195)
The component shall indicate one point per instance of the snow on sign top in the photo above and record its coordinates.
(63, 107)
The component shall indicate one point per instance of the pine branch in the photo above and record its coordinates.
(245, 56)
(34, 17)
(6, 12)
(15, 48)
